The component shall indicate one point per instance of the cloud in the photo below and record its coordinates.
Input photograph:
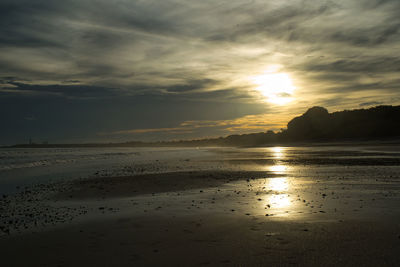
(173, 44)
(79, 91)
(372, 103)
(358, 65)
(141, 131)
(194, 56)
(193, 85)
(249, 123)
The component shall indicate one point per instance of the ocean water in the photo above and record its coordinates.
(22, 167)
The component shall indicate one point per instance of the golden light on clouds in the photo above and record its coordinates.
(276, 87)
(249, 123)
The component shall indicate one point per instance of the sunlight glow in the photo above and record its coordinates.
(277, 152)
(277, 87)
(277, 169)
(278, 184)
(279, 201)
(277, 149)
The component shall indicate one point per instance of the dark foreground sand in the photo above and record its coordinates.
(202, 218)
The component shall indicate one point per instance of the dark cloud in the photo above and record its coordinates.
(192, 85)
(284, 95)
(372, 103)
(319, 23)
(369, 37)
(80, 91)
(279, 22)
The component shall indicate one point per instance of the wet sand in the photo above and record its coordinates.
(206, 240)
(214, 218)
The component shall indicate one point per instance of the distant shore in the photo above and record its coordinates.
(343, 142)
(315, 127)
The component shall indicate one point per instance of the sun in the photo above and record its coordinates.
(278, 88)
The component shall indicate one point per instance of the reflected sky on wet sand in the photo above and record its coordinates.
(314, 192)
(278, 152)
(281, 190)
(296, 192)
(278, 184)
(278, 199)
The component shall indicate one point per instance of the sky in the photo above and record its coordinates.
(121, 70)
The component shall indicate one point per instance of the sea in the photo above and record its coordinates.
(23, 167)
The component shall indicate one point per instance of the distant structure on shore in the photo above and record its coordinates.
(315, 125)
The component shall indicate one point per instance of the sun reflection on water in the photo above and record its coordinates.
(278, 184)
(277, 169)
(277, 152)
(279, 201)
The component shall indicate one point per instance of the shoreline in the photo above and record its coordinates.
(305, 143)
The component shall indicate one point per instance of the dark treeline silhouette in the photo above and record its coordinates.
(316, 125)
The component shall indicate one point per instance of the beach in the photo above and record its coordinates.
(278, 206)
